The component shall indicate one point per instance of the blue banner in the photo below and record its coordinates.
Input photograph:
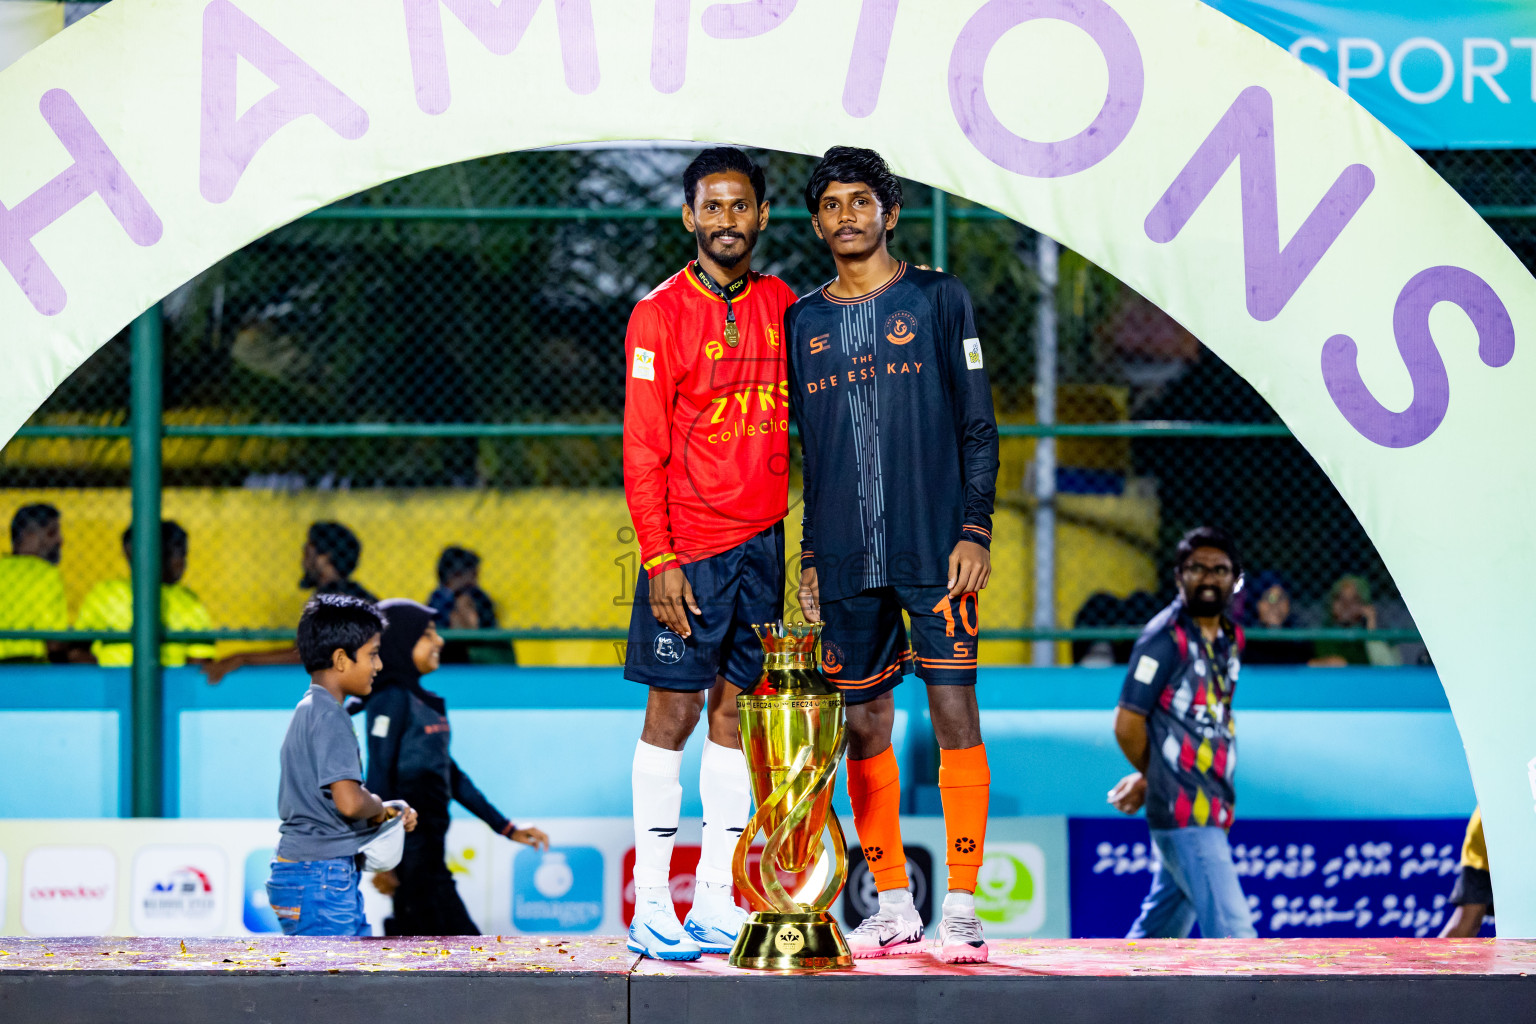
(1441, 75)
(1303, 879)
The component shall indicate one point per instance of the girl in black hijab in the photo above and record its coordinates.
(408, 759)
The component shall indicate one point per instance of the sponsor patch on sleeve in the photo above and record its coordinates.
(381, 726)
(973, 353)
(1146, 669)
(644, 366)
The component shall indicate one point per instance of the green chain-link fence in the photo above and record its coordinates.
(439, 362)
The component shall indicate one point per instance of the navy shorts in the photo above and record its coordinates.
(864, 649)
(734, 590)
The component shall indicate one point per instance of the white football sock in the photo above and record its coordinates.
(658, 800)
(653, 894)
(712, 898)
(725, 791)
(960, 903)
(899, 902)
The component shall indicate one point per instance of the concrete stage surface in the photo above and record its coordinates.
(595, 979)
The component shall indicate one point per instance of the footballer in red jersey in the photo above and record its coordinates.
(706, 458)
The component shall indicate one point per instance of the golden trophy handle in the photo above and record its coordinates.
(776, 897)
(797, 814)
(759, 901)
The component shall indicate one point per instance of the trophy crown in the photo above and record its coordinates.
(789, 637)
(789, 662)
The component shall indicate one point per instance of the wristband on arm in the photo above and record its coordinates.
(660, 563)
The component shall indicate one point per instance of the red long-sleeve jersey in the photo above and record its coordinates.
(706, 425)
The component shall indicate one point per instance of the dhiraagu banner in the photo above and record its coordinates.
(1287, 228)
(1441, 75)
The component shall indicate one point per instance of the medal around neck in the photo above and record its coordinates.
(793, 736)
(725, 293)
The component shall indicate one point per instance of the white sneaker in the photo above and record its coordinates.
(960, 938)
(654, 932)
(715, 920)
(893, 930)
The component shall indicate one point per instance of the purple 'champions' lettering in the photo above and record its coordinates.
(499, 28)
(871, 48)
(746, 18)
(95, 171)
(229, 143)
(669, 32)
(1431, 386)
(968, 95)
(669, 45)
(1246, 135)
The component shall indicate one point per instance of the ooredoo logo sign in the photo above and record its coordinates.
(179, 890)
(69, 890)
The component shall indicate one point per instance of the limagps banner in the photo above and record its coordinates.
(1305, 244)
(1441, 75)
(205, 876)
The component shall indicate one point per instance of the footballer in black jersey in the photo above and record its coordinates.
(889, 388)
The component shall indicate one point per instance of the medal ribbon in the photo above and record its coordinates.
(725, 293)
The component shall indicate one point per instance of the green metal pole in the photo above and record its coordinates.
(148, 356)
(940, 258)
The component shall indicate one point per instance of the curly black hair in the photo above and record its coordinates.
(850, 164)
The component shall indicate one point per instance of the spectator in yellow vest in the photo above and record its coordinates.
(108, 606)
(31, 588)
(1473, 895)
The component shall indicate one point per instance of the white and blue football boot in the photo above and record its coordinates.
(654, 932)
(715, 920)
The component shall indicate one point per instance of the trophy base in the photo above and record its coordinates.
(791, 942)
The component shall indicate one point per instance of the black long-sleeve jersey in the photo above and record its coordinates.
(408, 759)
(897, 429)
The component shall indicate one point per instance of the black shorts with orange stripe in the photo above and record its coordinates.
(864, 647)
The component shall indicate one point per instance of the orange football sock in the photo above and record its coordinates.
(874, 787)
(964, 782)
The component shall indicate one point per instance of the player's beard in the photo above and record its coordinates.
(308, 582)
(709, 246)
(1206, 602)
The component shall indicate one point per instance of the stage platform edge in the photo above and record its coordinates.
(518, 978)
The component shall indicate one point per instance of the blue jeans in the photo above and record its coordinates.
(318, 897)
(1194, 879)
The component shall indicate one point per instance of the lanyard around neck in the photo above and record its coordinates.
(726, 293)
(1218, 676)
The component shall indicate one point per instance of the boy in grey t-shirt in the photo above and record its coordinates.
(327, 813)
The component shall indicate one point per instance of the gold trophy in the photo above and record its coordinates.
(792, 734)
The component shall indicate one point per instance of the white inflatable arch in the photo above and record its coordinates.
(1292, 233)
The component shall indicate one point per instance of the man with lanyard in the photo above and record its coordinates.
(706, 458)
(1174, 725)
(901, 458)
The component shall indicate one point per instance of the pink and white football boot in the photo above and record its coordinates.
(960, 938)
(893, 930)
